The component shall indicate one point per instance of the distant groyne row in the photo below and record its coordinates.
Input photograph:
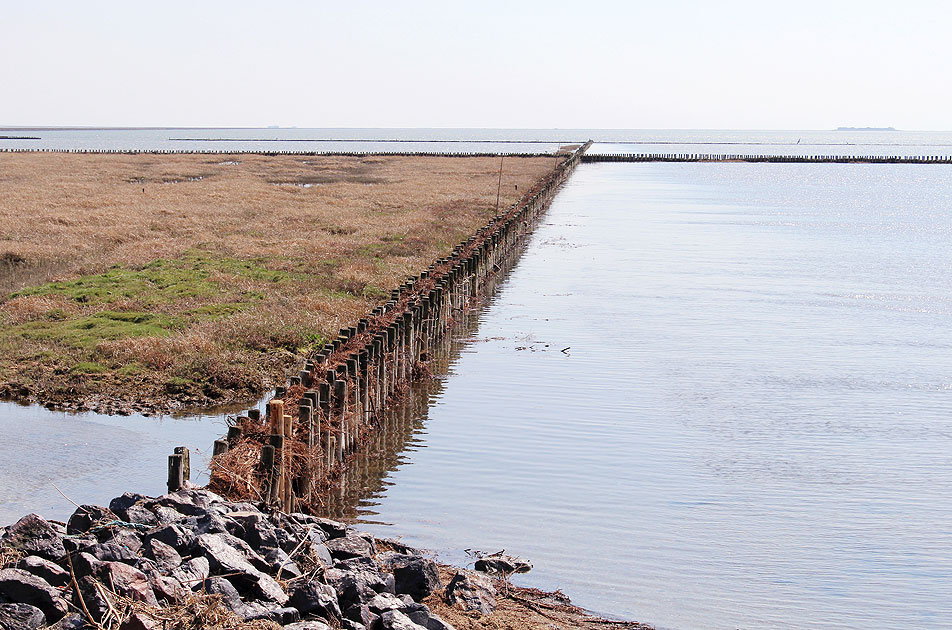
(742, 157)
(460, 154)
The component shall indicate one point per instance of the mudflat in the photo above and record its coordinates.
(163, 282)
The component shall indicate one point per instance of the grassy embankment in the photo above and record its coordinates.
(161, 282)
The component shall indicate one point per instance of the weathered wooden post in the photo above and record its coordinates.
(267, 464)
(219, 448)
(176, 472)
(186, 462)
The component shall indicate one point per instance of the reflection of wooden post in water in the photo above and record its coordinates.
(340, 402)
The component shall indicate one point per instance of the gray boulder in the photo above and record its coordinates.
(396, 620)
(225, 559)
(471, 592)
(315, 598)
(503, 564)
(17, 585)
(35, 536)
(308, 625)
(86, 516)
(21, 617)
(415, 576)
(165, 556)
(350, 546)
(43, 568)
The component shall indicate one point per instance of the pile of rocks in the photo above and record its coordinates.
(300, 571)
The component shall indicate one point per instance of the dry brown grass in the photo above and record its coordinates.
(341, 231)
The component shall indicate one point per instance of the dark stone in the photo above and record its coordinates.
(350, 546)
(140, 515)
(211, 523)
(166, 515)
(121, 504)
(78, 544)
(362, 614)
(36, 537)
(86, 516)
(415, 576)
(315, 598)
(165, 556)
(128, 538)
(85, 564)
(279, 563)
(220, 586)
(471, 592)
(92, 597)
(140, 621)
(278, 614)
(17, 585)
(173, 535)
(188, 501)
(255, 528)
(286, 540)
(502, 564)
(21, 617)
(111, 552)
(227, 560)
(72, 621)
(428, 620)
(49, 571)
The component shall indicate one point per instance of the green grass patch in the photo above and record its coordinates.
(86, 332)
(88, 367)
(161, 281)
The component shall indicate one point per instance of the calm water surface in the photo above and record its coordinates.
(750, 424)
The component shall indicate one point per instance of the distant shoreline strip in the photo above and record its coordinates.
(560, 142)
(374, 140)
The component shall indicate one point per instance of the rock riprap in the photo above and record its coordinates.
(298, 571)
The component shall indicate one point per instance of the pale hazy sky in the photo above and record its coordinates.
(583, 64)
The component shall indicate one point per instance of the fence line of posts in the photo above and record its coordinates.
(327, 410)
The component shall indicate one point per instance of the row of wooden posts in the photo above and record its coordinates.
(746, 157)
(273, 153)
(313, 424)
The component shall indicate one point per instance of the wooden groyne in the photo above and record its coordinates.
(746, 157)
(327, 411)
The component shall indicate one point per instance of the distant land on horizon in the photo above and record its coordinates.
(865, 129)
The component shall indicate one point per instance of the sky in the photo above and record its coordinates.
(662, 64)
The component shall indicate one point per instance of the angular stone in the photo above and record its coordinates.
(227, 560)
(350, 546)
(85, 564)
(192, 572)
(415, 576)
(279, 614)
(36, 537)
(315, 598)
(140, 621)
(86, 516)
(229, 594)
(255, 528)
(308, 625)
(129, 582)
(166, 515)
(111, 552)
(43, 568)
(322, 553)
(471, 592)
(120, 504)
(503, 564)
(396, 620)
(429, 620)
(362, 614)
(17, 585)
(385, 601)
(124, 537)
(166, 588)
(173, 535)
(165, 556)
(189, 501)
(21, 617)
(140, 515)
(72, 621)
(280, 564)
(93, 596)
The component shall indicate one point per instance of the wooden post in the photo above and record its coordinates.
(176, 478)
(267, 464)
(276, 415)
(277, 441)
(234, 434)
(186, 463)
(220, 448)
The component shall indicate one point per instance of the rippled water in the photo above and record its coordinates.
(709, 396)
